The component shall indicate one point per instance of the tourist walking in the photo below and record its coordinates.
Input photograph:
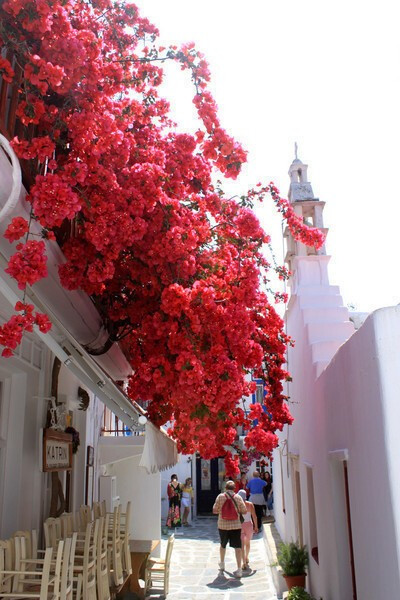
(187, 500)
(248, 526)
(174, 491)
(229, 506)
(255, 487)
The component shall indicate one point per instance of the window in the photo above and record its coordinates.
(260, 393)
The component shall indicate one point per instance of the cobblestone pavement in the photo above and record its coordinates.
(194, 567)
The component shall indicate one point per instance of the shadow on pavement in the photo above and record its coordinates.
(222, 583)
(247, 574)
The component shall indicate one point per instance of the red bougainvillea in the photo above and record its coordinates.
(174, 267)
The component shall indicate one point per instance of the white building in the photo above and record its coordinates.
(337, 470)
(107, 465)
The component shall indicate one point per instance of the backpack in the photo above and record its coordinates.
(229, 511)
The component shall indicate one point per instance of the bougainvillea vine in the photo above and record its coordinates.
(174, 267)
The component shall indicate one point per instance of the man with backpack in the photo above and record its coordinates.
(229, 507)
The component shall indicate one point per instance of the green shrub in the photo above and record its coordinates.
(292, 558)
(299, 593)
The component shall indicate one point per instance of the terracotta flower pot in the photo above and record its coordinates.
(295, 580)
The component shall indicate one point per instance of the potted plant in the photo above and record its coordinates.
(299, 593)
(293, 559)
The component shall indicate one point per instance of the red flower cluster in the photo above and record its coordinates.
(39, 147)
(232, 469)
(16, 229)
(12, 331)
(31, 111)
(172, 264)
(28, 265)
(43, 74)
(53, 200)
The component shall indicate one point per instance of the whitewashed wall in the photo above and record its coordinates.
(22, 413)
(143, 490)
(352, 411)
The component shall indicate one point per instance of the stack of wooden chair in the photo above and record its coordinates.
(24, 575)
(86, 557)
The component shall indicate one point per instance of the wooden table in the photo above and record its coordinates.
(140, 551)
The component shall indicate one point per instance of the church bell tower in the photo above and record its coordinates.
(310, 210)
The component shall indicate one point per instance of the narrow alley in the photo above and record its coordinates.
(194, 567)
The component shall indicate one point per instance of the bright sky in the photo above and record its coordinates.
(324, 74)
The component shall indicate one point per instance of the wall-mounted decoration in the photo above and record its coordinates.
(75, 438)
(84, 399)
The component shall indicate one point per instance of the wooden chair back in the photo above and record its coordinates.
(125, 536)
(168, 555)
(52, 532)
(85, 564)
(102, 576)
(86, 515)
(68, 525)
(114, 549)
(6, 564)
(98, 510)
(67, 570)
(30, 583)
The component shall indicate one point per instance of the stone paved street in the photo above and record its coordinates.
(194, 567)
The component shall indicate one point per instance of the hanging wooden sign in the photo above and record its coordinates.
(57, 450)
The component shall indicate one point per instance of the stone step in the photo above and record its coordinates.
(320, 301)
(318, 290)
(327, 332)
(329, 314)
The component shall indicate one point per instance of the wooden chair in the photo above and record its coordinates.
(68, 525)
(31, 542)
(99, 510)
(61, 568)
(157, 571)
(7, 564)
(52, 532)
(43, 586)
(67, 572)
(102, 576)
(86, 515)
(125, 524)
(114, 554)
(84, 569)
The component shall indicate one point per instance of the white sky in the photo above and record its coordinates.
(324, 74)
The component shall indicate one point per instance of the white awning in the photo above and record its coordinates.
(159, 449)
(159, 452)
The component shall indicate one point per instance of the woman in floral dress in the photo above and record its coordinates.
(174, 491)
